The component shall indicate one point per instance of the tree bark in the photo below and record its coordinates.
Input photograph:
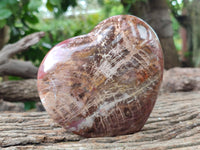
(4, 36)
(194, 12)
(19, 91)
(190, 20)
(19, 68)
(156, 13)
(173, 124)
(24, 69)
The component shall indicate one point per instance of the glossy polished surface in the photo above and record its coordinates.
(104, 83)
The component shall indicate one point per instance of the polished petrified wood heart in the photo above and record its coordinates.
(104, 83)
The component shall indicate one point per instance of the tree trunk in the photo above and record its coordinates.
(156, 13)
(4, 36)
(190, 20)
(194, 13)
(173, 124)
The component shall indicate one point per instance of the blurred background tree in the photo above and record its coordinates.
(157, 14)
(187, 14)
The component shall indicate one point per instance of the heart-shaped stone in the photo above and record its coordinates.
(104, 83)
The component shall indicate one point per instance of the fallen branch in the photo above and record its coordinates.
(19, 68)
(19, 91)
(24, 69)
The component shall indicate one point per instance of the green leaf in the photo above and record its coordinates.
(5, 13)
(49, 6)
(55, 2)
(29, 105)
(31, 18)
(3, 4)
(34, 5)
(12, 2)
(2, 23)
(65, 4)
(18, 24)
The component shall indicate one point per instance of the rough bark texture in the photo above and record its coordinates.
(19, 68)
(156, 13)
(19, 91)
(173, 124)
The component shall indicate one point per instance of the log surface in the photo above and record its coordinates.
(19, 91)
(173, 124)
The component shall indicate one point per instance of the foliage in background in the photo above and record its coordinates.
(111, 7)
(29, 105)
(176, 7)
(63, 27)
(18, 15)
(58, 7)
(187, 14)
(176, 37)
(21, 17)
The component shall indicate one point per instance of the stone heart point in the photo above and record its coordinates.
(104, 83)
